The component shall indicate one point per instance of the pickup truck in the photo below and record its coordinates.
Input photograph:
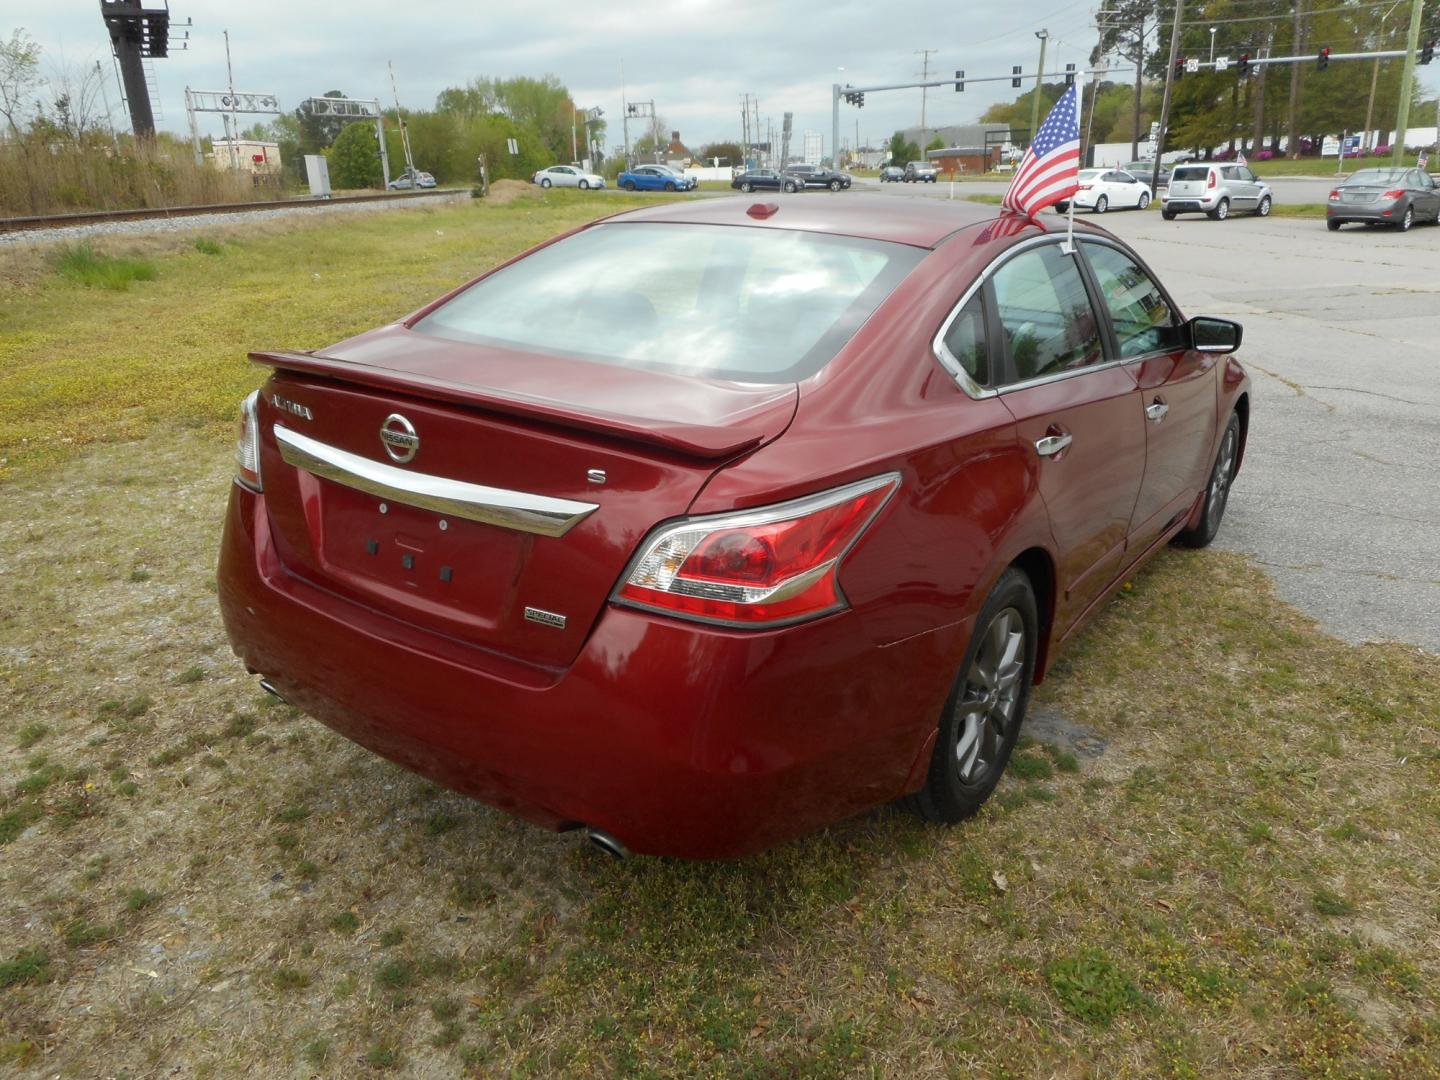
(921, 172)
(816, 177)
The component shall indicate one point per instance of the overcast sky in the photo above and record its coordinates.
(694, 58)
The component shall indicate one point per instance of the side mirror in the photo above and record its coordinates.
(1211, 335)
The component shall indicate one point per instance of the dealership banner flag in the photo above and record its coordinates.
(1050, 169)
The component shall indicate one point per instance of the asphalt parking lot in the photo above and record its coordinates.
(1339, 497)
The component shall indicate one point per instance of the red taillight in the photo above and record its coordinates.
(1210, 182)
(247, 446)
(1086, 187)
(1398, 193)
(1334, 194)
(763, 567)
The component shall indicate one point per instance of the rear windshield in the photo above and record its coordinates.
(747, 304)
(1190, 172)
(1377, 176)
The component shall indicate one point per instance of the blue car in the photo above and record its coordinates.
(656, 178)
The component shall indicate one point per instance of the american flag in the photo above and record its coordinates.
(1050, 169)
(1240, 158)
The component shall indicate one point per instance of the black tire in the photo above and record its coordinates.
(1168, 215)
(949, 794)
(669, 185)
(1221, 211)
(1061, 207)
(544, 181)
(1263, 210)
(790, 189)
(1217, 489)
(629, 185)
(1102, 204)
(1407, 219)
(835, 185)
(747, 187)
(1144, 203)
(584, 185)
(1332, 225)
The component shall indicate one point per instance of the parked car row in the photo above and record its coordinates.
(793, 178)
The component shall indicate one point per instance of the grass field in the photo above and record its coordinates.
(1220, 860)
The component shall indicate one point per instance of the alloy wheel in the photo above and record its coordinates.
(1408, 219)
(987, 703)
(1144, 199)
(1102, 204)
(1220, 481)
(1222, 211)
(1264, 210)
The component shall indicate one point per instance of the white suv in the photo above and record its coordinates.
(1215, 190)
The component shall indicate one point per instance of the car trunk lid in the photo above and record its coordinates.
(533, 481)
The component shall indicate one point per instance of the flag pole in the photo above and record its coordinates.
(1069, 246)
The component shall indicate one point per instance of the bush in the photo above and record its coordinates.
(1265, 155)
(1382, 151)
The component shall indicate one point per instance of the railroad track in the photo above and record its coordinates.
(101, 217)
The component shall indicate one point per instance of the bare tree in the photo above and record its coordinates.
(75, 99)
(19, 77)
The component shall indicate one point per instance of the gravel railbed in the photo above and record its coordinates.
(36, 237)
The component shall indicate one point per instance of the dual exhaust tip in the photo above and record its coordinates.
(599, 837)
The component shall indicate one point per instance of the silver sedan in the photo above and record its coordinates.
(567, 176)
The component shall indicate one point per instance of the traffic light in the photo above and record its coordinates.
(1427, 51)
(1179, 70)
(1242, 69)
(1015, 82)
(960, 81)
(1322, 59)
(1069, 74)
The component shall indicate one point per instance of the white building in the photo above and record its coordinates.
(246, 155)
(813, 146)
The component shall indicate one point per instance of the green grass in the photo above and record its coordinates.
(29, 966)
(1299, 210)
(81, 264)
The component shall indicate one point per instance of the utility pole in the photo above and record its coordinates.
(1293, 135)
(924, 54)
(234, 121)
(1375, 76)
(404, 128)
(624, 114)
(834, 125)
(1407, 79)
(1165, 101)
(1044, 36)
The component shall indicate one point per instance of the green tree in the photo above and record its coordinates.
(354, 157)
(318, 130)
(936, 143)
(729, 153)
(902, 149)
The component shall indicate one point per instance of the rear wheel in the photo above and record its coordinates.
(1102, 204)
(1221, 211)
(1144, 200)
(1333, 225)
(1217, 491)
(1407, 220)
(982, 716)
(1263, 210)
(1061, 207)
(629, 185)
(1168, 215)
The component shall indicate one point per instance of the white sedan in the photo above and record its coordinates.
(1109, 189)
(567, 176)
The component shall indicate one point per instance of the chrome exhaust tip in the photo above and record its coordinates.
(269, 688)
(607, 843)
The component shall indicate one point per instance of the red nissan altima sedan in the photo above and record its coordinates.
(712, 523)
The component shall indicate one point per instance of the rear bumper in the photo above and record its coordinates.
(675, 738)
(1384, 213)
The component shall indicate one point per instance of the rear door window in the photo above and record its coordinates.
(966, 341)
(1049, 325)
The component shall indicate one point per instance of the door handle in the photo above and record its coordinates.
(1156, 410)
(1051, 445)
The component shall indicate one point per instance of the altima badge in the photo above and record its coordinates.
(399, 439)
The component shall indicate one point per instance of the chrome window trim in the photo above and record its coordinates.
(518, 510)
(962, 377)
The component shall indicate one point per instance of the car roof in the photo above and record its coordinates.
(918, 222)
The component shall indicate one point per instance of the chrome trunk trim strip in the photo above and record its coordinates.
(519, 510)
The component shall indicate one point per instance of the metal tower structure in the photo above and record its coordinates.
(137, 34)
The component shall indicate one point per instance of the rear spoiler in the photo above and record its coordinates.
(750, 424)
